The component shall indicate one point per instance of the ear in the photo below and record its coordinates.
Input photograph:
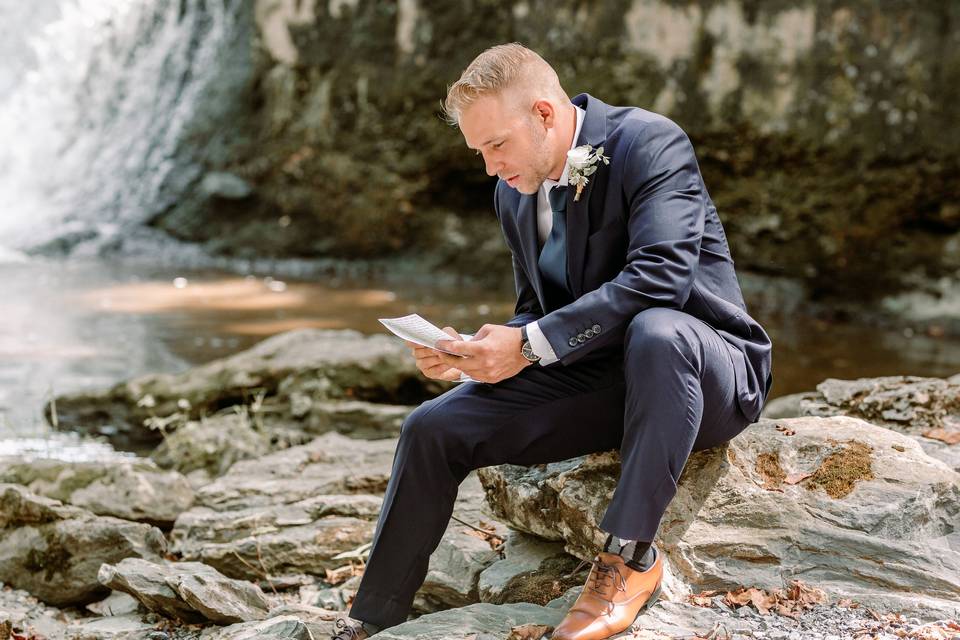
(545, 112)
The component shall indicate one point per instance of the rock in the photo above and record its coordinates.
(116, 604)
(22, 613)
(123, 627)
(857, 510)
(211, 444)
(290, 371)
(54, 551)
(187, 591)
(292, 510)
(278, 628)
(228, 186)
(319, 621)
(330, 464)
(463, 553)
(784, 406)
(474, 622)
(131, 488)
(532, 570)
(354, 417)
(918, 407)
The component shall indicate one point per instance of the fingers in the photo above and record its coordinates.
(452, 332)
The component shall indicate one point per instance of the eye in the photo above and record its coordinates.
(498, 145)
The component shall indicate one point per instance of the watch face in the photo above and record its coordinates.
(527, 352)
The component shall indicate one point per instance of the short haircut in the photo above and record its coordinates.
(494, 71)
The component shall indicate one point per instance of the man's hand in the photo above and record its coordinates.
(492, 355)
(429, 362)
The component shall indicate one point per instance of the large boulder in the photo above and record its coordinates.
(926, 409)
(855, 509)
(187, 591)
(288, 512)
(282, 378)
(127, 488)
(212, 444)
(54, 551)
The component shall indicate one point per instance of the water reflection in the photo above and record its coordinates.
(83, 325)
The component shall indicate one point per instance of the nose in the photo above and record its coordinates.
(491, 165)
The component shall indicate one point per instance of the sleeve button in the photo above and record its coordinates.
(596, 328)
(572, 342)
(589, 333)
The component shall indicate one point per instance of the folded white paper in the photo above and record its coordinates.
(418, 331)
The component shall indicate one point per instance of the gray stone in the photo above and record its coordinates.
(857, 510)
(132, 489)
(532, 570)
(285, 627)
(187, 591)
(785, 406)
(463, 553)
(116, 604)
(54, 551)
(908, 404)
(225, 185)
(128, 626)
(291, 371)
(211, 444)
(290, 511)
(463, 623)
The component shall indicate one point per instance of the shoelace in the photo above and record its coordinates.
(604, 571)
(345, 631)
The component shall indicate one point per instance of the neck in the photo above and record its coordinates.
(564, 142)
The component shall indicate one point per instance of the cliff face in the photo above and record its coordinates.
(825, 129)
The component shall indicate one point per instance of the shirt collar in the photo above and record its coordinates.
(547, 182)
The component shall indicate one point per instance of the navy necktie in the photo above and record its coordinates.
(553, 256)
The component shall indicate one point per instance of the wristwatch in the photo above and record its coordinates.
(525, 349)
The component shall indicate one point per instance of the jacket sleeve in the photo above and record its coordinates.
(528, 307)
(665, 208)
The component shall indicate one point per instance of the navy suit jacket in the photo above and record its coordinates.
(644, 233)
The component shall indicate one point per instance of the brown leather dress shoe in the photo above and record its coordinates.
(348, 629)
(612, 598)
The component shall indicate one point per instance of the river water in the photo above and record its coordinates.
(74, 325)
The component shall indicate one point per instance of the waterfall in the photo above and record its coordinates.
(106, 115)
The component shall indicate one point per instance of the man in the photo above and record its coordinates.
(630, 332)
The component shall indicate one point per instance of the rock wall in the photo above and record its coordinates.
(823, 128)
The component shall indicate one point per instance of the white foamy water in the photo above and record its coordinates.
(101, 96)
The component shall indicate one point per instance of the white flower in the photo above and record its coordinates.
(579, 156)
(583, 162)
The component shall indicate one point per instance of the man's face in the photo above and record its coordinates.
(514, 142)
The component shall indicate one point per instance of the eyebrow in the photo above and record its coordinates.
(496, 137)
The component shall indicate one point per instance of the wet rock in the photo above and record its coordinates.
(54, 551)
(281, 377)
(926, 409)
(187, 591)
(859, 510)
(532, 570)
(129, 488)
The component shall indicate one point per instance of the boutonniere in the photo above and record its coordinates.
(583, 162)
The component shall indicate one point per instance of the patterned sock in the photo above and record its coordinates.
(369, 628)
(638, 554)
(607, 542)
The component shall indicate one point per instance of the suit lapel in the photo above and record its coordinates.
(594, 133)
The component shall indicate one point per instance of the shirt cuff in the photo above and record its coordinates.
(540, 344)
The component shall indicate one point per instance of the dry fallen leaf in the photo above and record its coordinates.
(943, 435)
(795, 478)
(529, 631)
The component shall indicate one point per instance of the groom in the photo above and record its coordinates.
(630, 333)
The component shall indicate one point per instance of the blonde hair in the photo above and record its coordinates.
(497, 69)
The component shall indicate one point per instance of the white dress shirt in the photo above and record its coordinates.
(538, 341)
